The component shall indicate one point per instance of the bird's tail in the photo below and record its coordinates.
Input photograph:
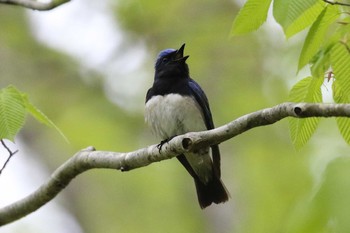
(214, 191)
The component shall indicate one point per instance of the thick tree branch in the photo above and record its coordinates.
(89, 158)
(35, 4)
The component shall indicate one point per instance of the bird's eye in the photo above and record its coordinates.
(165, 60)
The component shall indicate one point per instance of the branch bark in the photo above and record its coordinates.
(89, 158)
(35, 4)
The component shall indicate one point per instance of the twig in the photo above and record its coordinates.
(89, 158)
(11, 153)
(35, 5)
(336, 3)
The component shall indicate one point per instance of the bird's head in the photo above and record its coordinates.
(171, 63)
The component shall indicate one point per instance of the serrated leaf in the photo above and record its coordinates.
(40, 116)
(342, 122)
(12, 112)
(316, 35)
(340, 61)
(344, 128)
(296, 15)
(306, 90)
(250, 17)
(13, 108)
(305, 19)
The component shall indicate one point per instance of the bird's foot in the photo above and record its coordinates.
(160, 145)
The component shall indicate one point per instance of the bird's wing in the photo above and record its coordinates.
(149, 94)
(202, 100)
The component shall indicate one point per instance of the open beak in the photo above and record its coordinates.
(179, 55)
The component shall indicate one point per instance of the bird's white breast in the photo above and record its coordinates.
(173, 114)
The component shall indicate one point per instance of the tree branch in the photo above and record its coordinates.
(336, 3)
(89, 158)
(35, 4)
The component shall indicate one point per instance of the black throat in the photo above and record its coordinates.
(169, 85)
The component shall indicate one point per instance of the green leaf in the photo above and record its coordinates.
(344, 27)
(340, 61)
(320, 63)
(316, 35)
(343, 122)
(13, 108)
(250, 17)
(12, 112)
(296, 15)
(39, 115)
(306, 90)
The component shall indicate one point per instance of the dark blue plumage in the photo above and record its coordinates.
(175, 105)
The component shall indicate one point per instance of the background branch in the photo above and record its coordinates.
(336, 3)
(11, 153)
(89, 158)
(35, 5)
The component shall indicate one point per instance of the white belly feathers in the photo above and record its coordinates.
(173, 114)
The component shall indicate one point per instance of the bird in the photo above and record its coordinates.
(175, 105)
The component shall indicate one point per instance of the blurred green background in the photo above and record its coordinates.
(273, 187)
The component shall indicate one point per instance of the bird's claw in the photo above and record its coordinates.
(160, 145)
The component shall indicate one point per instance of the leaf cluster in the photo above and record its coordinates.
(326, 52)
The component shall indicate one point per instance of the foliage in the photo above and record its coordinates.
(326, 48)
(14, 105)
(273, 188)
(12, 112)
(306, 90)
